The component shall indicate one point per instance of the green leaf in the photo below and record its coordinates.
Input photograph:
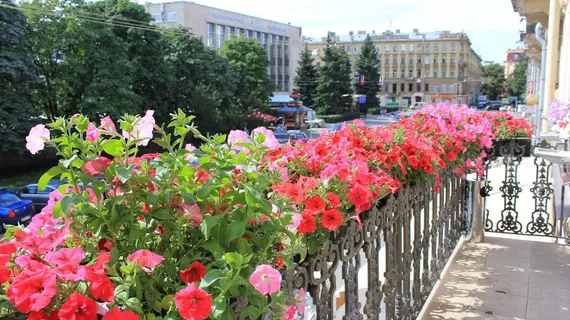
(121, 293)
(212, 276)
(214, 247)
(167, 302)
(208, 223)
(162, 213)
(235, 230)
(124, 173)
(313, 245)
(134, 304)
(46, 177)
(113, 147)
(250, 312)
(252, 196)
(234, 259)
(244, 247)
(56, 211)
(220, 305)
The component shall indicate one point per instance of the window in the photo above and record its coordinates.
(220, 36)
(426, 87)
(435, 73)
(386, 75)
(451, 88)
(410, 87)
(435, 47)
(452, 73)
(379, 48)
(435, 88)
(395, 48)
(158, 17)
(452, 59)
(435, 58)
(394, 74)
(403, 73)
(443, 73)
(444, 47)
(452, 46)
(403, 48)
(411, 60)
(444, 59)
(402, 87)
(427, 47)
(419, 73)
(460, 60)
(419, 59)
(427, 60)
(418, 87)
(348, 48)
(411, 47)
(355, 48)
(420, 47)
(443, 88)
(210, 34)
(410, 73)
(462, 46)
(172, 17)
(394, 88)
(427, 73)
(516, 56)
(403, 60)
(387, 48)
(387, 59)
(395, 59)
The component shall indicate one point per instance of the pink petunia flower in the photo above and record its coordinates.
(265, 279)
(236, 136)
(108, 124)
(65, 256)
(92, 132)
(301, 300)
(145, 258)
(270, 141)
(189, 156)
(37, 138)
(142, 130)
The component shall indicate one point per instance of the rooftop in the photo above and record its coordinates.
(389, 35)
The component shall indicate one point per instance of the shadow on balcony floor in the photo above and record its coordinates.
(506, 277)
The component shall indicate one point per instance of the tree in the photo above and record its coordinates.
(493, 80)
(249, 62)
(18, 79)
(367, 65)
(516, 83)
(333, 81)
(203, 83)
(306, 79)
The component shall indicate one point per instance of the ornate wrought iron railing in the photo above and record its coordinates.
(511, 216)
(387, 268)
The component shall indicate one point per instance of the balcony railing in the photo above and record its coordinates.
(389, 265)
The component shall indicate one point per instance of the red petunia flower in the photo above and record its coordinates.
(38, 315)
(32, 291)
(97, 166)
(308, 224)
(359, 195)
(332, 219)
(333, 199)
(193, 303)
(201, 175)
(78, 307)
(315, 205)
(195, 272)
(117, 314)
(101, 287)
(105, 244)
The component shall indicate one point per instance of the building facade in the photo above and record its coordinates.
(513, 58)
(282, 41)
(416, 67)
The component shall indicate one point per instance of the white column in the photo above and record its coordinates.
(551, 57)
(564, 82)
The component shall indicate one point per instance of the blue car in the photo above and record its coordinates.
(14, 210)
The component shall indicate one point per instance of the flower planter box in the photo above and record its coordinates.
(516, 147)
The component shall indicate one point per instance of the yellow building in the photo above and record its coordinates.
(416, 67)
(547, 41)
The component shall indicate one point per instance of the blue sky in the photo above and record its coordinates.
(492, 25)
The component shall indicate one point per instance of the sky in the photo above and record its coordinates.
(492, 25)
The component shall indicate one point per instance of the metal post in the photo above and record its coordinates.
(561, 210)
(476, 208)
(539, 31)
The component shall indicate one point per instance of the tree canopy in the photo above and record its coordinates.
(493, 81)
(306, 78)
(367, 66)
(516, 83)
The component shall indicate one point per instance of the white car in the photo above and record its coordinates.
(319, 123)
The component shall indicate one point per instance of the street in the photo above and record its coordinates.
(371, 120)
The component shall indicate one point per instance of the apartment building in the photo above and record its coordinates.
(281, 40)
(416, 67)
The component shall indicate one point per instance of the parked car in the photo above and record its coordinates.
(282, 137)
(14, 210)
(38, 197)
(299, 135)
(336, 127)
(494, 106)
(319, 123)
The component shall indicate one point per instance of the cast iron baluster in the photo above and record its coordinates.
(406, 271)
(398, 254)
(372, 228)
(389, 287)
(510, 189)
(441, 216)
(426, 283)
(417, 300)
(488, 189)
(541, 190)
(434, 274)
(350, 245)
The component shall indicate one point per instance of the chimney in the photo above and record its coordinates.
(416, 31)
(373, 31)
(397, 30)
(351, 33)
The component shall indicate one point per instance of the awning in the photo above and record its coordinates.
(280, 98)
(295, 109)
(264, 116)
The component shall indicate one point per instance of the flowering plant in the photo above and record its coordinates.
(559, 118)
(506, 127)
(186, 233)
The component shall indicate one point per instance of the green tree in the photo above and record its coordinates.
(306, 78)
(493, 81)
(18, 80)
(203, 83)
(334, 81)
(516, 83)
(249, 62)
(367, 65)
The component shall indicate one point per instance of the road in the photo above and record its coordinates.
(371, 120)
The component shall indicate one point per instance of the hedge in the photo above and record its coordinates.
(335, 118)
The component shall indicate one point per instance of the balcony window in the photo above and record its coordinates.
(394, 74)
(403, 60)
(444, 47)
(452, 73)
(387, 48)
(402, 87)
(462, 46)
(387, 59)
(435, 47)
(443, 73)
(394, 88)
(411, 47)
(395, 48)
(435, 59)
(443, 88)
(420, 47)
(435, 88)
(158, 17)
(427, 47)
(395, 59)
(435, 73)
(410, 87)
(426, 87)
(427, 60)
(386, 75)
(418, 87)
(348, 48)
(403, 48)
(452, 46)
(444, 59)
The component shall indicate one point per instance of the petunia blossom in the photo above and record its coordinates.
(270, 141)
(32, 291)
(195, 272)
(37, 138)
(117, 314)
(145, 258)
(238, 136)
(193, 303)
(65, 256)
(78, 307)
(108, 124)
(92, 133)
(142, 130)
(265, 279)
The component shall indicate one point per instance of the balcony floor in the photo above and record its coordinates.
(507, 277)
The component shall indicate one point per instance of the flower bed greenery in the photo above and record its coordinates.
(184, 233)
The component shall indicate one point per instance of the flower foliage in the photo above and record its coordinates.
(559, 118)
(184, 233)
(506, 127)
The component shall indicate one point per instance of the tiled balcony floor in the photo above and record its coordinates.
(506, 278)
